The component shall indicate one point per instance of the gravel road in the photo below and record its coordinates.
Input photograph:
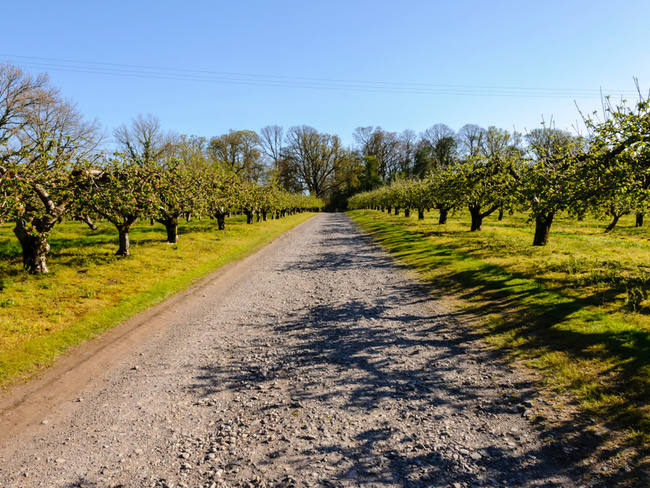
(315, 362)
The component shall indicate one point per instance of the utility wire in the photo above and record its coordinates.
(176, 74)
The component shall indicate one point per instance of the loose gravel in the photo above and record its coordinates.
(324, 365)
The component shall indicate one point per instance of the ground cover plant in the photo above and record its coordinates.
(89, 288)
(575, 310)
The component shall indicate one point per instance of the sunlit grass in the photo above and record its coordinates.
(90, 289)
(575, 310)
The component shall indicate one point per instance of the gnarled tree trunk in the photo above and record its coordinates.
(35, 249)
(478, 216)
(639, 220)
(543, 223)
(172, 232)
(616, 215)
(123, 232)
(420, 214)
(444, 213)
(221, 220)
(477, 221)
(613, 223)
(407, 212)
(125, 243)
(171, 226)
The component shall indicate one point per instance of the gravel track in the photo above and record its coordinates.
(321, 363)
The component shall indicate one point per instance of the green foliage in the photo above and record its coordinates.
(370, 178)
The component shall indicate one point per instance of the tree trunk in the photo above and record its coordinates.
(613, 224)
(396, 210)
(172, 231)
(383, 209)
(188, 217)
(221, 221)
(407, 212)
(283, 213)
(124, 241)
(264, 212)
(477, 220)
(543, 228)
(477, 216)
(443, 216)
(420, 214)
(389, 208)
(249, 216)
(639, 220)
(171, 226)
(500, 213)
(35, 249)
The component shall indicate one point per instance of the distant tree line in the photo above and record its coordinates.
(54, 164)
(544, 172)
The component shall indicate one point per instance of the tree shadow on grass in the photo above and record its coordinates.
(541, 321)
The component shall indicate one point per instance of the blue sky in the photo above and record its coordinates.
(403, 59)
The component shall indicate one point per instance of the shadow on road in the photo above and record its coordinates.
(376, 358)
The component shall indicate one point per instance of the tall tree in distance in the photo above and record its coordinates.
(270, 140)
(437, 151)
(144, 140)
(500, 142)
(21, 97)
(470, 139)
(192, 151)
(58, 128)
(407, 148)
(238, 152)
(318, 160)
(382, 145)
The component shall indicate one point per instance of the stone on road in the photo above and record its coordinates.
(321, 363)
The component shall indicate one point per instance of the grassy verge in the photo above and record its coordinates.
(575, 310)
(89, 289)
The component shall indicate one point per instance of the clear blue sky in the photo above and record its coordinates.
(402, 52)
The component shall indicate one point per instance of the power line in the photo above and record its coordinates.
(177, 74)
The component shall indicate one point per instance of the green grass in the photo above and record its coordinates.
(574, 311)
(89, 289)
